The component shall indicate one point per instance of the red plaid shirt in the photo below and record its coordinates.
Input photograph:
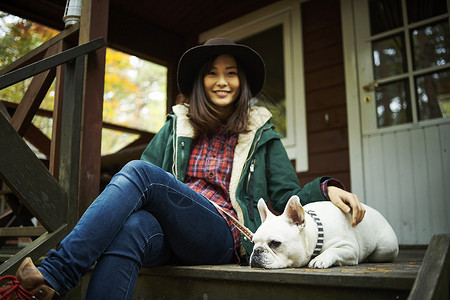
(209, 173)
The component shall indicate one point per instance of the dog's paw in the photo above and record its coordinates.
(318, 263)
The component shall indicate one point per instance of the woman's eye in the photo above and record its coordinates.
(274, 244)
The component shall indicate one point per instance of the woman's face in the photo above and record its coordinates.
(221, 82)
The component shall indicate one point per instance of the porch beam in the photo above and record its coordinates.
(55, 144)
(93, 25)
(71, 130)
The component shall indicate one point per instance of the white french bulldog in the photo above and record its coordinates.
(289, 240)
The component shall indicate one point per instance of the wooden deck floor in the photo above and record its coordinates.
(367, 280)
(374, 281)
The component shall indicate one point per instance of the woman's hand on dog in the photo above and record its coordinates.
(347, 202)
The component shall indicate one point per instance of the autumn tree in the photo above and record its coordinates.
(135, 90)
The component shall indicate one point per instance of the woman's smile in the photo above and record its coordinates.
(222, 83)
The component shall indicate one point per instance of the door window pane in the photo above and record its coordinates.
(389, 56)
(433, 95)
(393, 104)
(423, 9)
(385, 15)
(431, 45)
(273, 97)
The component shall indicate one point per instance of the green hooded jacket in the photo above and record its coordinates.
(261, 167)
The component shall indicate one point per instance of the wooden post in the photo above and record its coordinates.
(93, 24)
(57, 116)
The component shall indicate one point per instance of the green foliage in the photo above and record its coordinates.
(17, 38)
(135, 96)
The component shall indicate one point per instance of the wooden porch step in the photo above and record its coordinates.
(367, 280)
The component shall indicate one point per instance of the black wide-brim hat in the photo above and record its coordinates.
(192, 60)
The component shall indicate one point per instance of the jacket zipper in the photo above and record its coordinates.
(252, 169)
(253, 151)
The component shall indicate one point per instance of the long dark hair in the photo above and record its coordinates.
(205, 115)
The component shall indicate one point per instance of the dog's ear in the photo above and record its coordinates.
(264, 211)
(294, 211)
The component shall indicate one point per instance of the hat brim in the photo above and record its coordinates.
(192, 60)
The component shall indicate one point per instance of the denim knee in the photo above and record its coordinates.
(136, 166)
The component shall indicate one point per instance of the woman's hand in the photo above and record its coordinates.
(347, 202)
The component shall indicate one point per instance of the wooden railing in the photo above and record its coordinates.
(53, 202)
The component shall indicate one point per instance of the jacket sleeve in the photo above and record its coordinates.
(283, 181)
(158, 147)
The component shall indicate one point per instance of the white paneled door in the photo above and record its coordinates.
(402, 51)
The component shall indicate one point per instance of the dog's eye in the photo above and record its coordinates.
(274, 244)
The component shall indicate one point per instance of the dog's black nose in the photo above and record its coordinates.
(258, 250)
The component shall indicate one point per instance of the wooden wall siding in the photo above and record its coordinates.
(325, 92)
(406, 175)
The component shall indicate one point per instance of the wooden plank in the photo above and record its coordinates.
(376, 194)
(122, 156)
(55, 144)
(364, 281)
(325, 163)
(444, 134)
(321, 39)
(421, 188)
(12, 106)
(327, 119)
(324, 78)
(126, 129)
(390, 173)
(433, 279)
(106, 125)
(4, 111)
(22, 231)
(71, 128)
(35, 250)
(323, 58)
(30, 180)
(93, 24)
(33, 97)
(38, 53)
(38, 139)
(325, 98)
(49, 62)
(335, 139)
(143, 140)
(407, 201)
(436, 199)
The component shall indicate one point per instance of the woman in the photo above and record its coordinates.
(214, 150)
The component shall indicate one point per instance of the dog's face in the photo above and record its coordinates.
(279, 242)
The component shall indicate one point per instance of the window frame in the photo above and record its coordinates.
(287, 14)
(367, 88)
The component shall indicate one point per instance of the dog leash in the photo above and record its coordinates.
(319, 244)
(244, 230)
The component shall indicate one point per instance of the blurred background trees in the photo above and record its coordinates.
(135, 89)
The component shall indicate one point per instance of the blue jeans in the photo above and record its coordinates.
(144, 217)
